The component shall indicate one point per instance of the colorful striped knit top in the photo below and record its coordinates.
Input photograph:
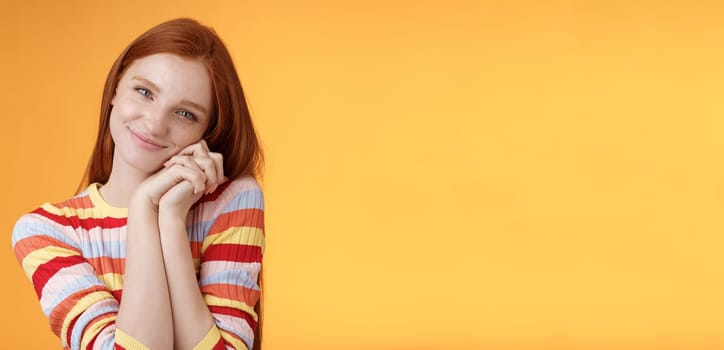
(73, 252)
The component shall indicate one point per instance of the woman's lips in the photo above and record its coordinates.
(145, 142)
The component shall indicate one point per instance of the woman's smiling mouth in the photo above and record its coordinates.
(145, 142)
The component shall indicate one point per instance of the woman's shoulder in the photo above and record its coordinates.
(50, 218)
(233, 188)
(240, 192)
(61, 212)
(70, 207)
(243, 183)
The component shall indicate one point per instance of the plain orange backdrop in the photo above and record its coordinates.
(441, 174)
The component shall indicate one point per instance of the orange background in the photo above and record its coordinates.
(441, 174)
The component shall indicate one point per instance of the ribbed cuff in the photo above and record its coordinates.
(210, 339)
(127, 342)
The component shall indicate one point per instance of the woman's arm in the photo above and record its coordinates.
(145, 311)
(80, 308)
(219, 308)
(192, 319)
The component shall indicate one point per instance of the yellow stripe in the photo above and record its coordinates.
(101, 208)
(94, 329)
(210, 339)
(236, 235)
(239, 345)
(82, 213)
(212, 300)
(128, 342)
(82, 304)
(106, 208)
(114, 281)
(41, 256)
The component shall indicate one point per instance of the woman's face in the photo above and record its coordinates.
(161, 105)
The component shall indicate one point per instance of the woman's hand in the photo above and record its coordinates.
(151, 190)
(198, 158)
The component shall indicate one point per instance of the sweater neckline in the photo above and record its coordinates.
(100, 203)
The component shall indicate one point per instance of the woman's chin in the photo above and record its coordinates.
(146, 166)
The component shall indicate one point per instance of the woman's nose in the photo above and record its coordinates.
(156, 122)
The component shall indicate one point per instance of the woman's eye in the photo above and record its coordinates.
(188, 115)
(144, 91)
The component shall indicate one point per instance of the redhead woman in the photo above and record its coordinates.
(162, 247)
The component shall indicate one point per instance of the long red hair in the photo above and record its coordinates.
(230, 132)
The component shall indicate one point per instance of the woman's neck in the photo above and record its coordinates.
(121, 184)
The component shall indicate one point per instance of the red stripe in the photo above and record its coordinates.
(249, 217)
(107, 263)
(87, 223)
(30, 244)
(195, 249)
(93, 341)
(219, 345)
(232, 252)
(230, 311)
(214, 195)
(76, 203)
(230, 291)
(48, 269)
(118, 294)
(70, 328)
(230, 334)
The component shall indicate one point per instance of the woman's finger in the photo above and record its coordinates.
(195, 176)
(218, 159)
(187, 161)
(211, 163)
(208, 166)
(197, 149)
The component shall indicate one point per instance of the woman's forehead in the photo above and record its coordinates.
(174, 76)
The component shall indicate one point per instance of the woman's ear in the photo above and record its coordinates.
(113, 99)
(115, 91)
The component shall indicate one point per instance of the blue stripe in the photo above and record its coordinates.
(250, 199)
(234, 277)
(83, 282)
(33, 225)
(108, 343)
(111, 249)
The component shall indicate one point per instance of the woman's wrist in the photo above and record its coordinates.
(171, 220)
(140, 202)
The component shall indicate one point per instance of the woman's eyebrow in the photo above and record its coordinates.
(147, 82)
(195, 105)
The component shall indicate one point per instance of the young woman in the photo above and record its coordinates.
(163, 248)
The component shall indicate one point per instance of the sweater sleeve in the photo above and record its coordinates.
(80, 307)
(231, 256)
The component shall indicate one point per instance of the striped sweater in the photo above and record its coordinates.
(73, 252)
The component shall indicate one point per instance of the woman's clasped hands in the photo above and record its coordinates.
(184, 178)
